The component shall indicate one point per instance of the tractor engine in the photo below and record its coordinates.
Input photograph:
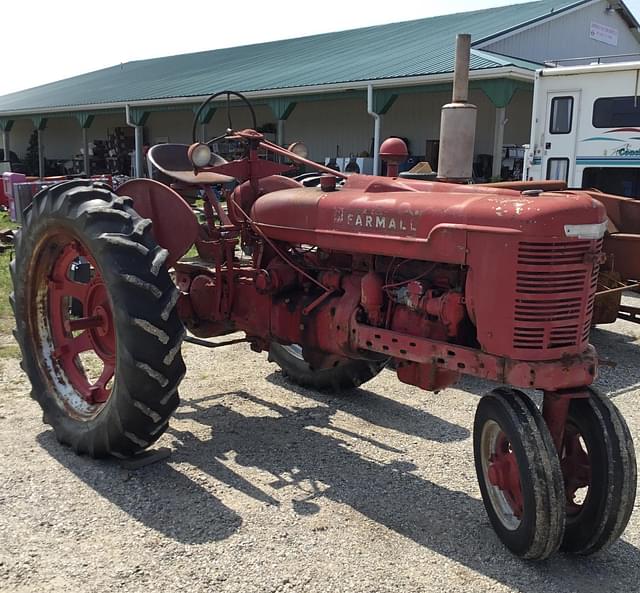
(488, 281)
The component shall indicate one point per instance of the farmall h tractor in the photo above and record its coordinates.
(335, 282)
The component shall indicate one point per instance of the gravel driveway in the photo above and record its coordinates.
(270, 487)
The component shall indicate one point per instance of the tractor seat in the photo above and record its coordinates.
(172, 160)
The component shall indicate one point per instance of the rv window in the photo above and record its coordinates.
(561, 115)
(616, 112)
(558, 169)
(621, 181)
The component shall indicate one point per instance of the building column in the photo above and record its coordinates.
(204, 118)
(498, 141)
(282, 108)
(280, 135)
(85, 153)
(378, 104)
(136, 118)
(40, 124)
(85, 120)
(500, 92)
(139, 142)
(5, 126)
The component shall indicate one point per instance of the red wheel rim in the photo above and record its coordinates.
(72, 325)
(504, 474)
(576, 469)
(501, 475)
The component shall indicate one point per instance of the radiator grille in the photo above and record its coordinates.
(553, 254)
(555, 293)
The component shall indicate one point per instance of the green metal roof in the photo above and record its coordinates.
(398, 50)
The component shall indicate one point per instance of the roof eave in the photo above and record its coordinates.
(511, 72)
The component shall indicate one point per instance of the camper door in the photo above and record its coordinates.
(560, 136)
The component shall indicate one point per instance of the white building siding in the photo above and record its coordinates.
(415, 116)
(62, 138)
(345, 127)
(176, 126)
(169, 126)
(327, 127)
(567, 36)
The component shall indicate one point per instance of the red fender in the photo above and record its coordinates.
(175, 226)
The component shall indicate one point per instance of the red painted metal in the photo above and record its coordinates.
(555, 408)
(443, 279)
(393, 151)
(622, 253)
(416, 220)
(426, 376)
(300, 160)
(212, 202)
(328, 182)
(175, 226)
(504, 474)
(572, 371)
(543, 185)
(372, 297)
(96, 324)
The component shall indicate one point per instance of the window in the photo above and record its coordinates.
(621, 181)
(561, 115)
(558, 169)
(616, 112)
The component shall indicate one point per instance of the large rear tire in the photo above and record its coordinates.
(344, 375)
(102, 350)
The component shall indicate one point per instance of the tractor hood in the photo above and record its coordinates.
(419, 219)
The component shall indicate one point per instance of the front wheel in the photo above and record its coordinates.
(599, 466)
(519, 474)
(96, 320)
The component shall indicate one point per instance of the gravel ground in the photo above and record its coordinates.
(274, 488)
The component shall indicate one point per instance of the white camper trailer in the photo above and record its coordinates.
(585, 127)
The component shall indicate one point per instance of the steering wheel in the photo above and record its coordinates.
(228, 94)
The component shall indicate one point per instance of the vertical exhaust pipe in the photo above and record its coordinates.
(458, 121)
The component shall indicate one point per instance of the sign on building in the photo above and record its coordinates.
(604, 33)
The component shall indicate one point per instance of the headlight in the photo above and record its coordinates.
(586, 231)
(199, 154)
(299, 149)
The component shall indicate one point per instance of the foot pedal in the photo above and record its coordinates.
(145, 458)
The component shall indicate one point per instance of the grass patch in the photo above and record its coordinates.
(6, 314)
(10, 351)
(6, 222)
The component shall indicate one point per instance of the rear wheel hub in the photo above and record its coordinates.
(75, 319)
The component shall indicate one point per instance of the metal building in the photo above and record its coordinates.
(316, 88)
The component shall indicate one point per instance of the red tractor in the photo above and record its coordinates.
(335, 282)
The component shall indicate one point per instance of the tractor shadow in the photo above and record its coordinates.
(622, 349)
(304, 449)
(158, 496)
(380, 411)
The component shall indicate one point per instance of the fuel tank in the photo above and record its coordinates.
(416, 219)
